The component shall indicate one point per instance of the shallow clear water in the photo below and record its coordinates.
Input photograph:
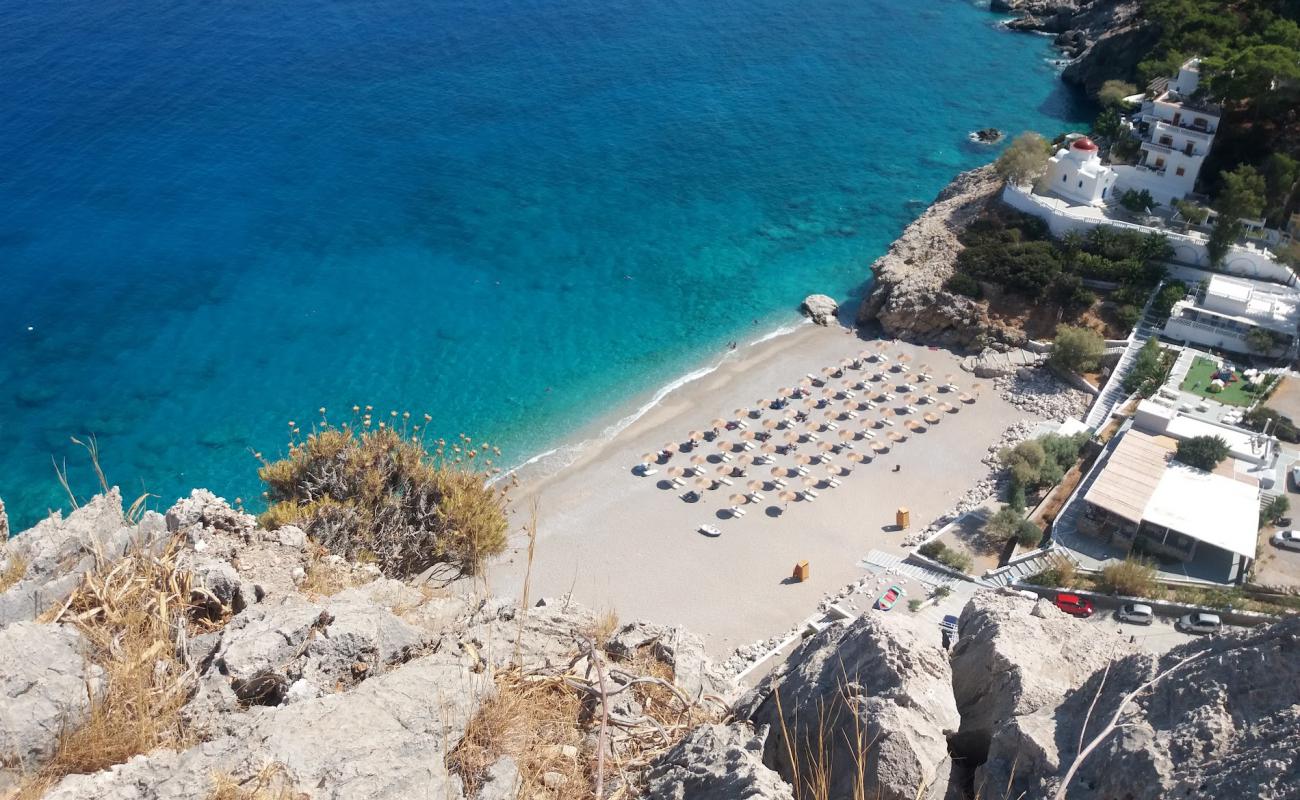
(512, 214)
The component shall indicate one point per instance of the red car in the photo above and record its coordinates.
(1074, 605)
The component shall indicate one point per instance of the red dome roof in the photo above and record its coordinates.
(1084, 143)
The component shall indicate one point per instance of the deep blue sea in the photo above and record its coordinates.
(216, 217)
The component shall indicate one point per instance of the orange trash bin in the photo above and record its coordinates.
(801, 571)
(902, 517)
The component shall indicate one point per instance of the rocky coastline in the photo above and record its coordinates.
(1103, 39)
(908, 300)
(374, 689)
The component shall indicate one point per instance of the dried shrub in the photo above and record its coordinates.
(135, 614)
(1132, 576)
(272, 782)
(381, 493)
(15, 569)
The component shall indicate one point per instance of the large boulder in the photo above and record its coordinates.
(45, 685)
(716, 762)
(203, 513)
(4, 523)
(1011, 670)
(1221, 725)
(275, 644)
(820, 308)
(869, 693)
(389, 737)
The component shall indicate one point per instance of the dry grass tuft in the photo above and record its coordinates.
(15, 569)
(532, 719)
(602, 628)
(135, 613)
(326, 579)
(272, 782)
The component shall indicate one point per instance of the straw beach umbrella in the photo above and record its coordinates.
(696, 436)
(676, 472)
(895, 436)
(738, 499)
(670, 448)
(756, 485)
(718, 424)
(847, 437)
(932, 418)
(647, 459)
(703, 484)
(780, 473)
(787, 497)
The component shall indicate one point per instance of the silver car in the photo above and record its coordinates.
(1136, 613)
(1287, 540)
(1200, 622)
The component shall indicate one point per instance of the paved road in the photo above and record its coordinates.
(1158, 637)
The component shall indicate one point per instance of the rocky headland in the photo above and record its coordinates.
(306, 676)
(1103, 39)
(908, 299)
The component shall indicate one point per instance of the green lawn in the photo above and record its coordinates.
(1198, 382)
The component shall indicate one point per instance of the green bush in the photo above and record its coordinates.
(1024, 159)
(1170, 294)
(1076, 349)
(381, 494)
(945, 555)
(963, 284)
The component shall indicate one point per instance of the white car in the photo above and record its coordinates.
(1287, 540)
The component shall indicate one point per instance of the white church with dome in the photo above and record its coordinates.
(1076, 174)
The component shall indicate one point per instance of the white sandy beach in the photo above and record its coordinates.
(627, 543)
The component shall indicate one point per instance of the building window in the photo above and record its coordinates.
(1179, 171)
(1160, 163)
(1167, 141)
(1080, 184)
(1103, 194)
(1063, 178)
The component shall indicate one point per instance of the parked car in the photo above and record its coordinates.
(1287, 540)
(1200, 622)
(1074, 605)
(1136, 613)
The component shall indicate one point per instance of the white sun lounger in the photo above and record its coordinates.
(868, 435)
(709, 530)
(832, 426)
(814, 437)
(727, 481)
(737, 511)
(833, 481)
(648, 471)
(801, 469)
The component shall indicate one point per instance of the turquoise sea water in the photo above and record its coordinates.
(512, 214)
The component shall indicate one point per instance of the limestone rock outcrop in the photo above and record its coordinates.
(907, 297)
(4, 522)
(869, 693)
(820, 308)
(45, 685)
(716, 762)
(1011, 669)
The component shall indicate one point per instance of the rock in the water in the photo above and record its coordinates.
(869, 693)
(44, 680)
(820, 308)
(4, 523)
(716, 762)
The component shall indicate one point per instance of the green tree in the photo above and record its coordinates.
(1139, 202)
(1076, 349)
(1148, 370)
(1254, 75)
(1024, 159)
(1008, 524)
(1202, 452)
(1260, 341)
(1112, 93)
(1191, 212)
(1281, 172)
(1242, 194)
(1107, 124)
(1171, 293)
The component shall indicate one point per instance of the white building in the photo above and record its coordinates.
(1231, 309)
(1141, 499)
(1076, 174)
(1176, 129)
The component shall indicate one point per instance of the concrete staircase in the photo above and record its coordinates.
(1021, 570)
(887, 563)
(1112, 394)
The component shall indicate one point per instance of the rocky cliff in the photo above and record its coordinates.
(907, 298)
(1103, 39)
(312, 677)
